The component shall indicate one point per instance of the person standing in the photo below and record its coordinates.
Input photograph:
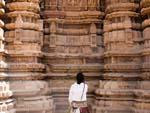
(78, 94)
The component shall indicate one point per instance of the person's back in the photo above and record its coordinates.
(78, 93)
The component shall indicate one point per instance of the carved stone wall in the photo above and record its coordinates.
(72, 43)
(48, 41)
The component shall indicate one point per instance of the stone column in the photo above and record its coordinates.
(122, 38)
(143, 96)
(72, 43)
(6, 102)
(25, 70)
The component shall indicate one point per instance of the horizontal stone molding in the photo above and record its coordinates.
(29, 88)
(35, 104)
(26, 67)
(123, 67)
(122, 14)
(120, 53)
(76, 15)
(116, 94)
(122, 7)
(118, 85)
(34, 36)
(121, 26)
(22, 76)
(75, 68)
(23, 6)
(25, 25)
(75, 22)
(15, 14)
(121, 76)
(34, 1)
(32, 49)
(71, 75)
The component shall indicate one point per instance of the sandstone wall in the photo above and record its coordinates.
(72, 43)
(44, 43)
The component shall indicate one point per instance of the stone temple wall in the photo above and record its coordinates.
(72, 43)
(44, 43)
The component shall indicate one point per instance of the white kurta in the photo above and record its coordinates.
(76, 91)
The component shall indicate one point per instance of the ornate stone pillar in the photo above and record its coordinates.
(143, 96)
(25, 70)
(6, 102)
(122, 39)
(72, 43)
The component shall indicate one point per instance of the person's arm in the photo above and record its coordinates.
(70, 95)
(86, 91)
(86, 88)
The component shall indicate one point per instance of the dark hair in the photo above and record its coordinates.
(80, 77)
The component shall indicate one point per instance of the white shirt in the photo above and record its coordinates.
(76, 92)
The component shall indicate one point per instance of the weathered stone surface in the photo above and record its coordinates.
(40, 55)
(143, 103)
(122, 38)
(25, 69)
(72, 43)
(6, 102)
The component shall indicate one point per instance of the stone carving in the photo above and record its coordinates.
(122, 58)
(143, 90)
(74, 45)
(93, 31)
(18, 33)
(24, 62)
(73, 2)
(40, 54)
(92, 4)
(6, 102)
(53, 28)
